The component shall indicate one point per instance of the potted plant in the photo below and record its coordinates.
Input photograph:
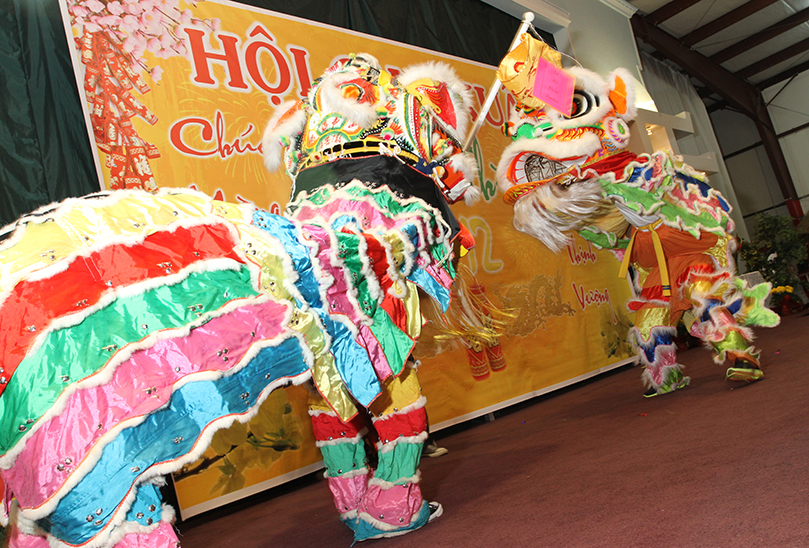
(776, 250)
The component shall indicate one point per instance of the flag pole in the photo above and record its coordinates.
(527, 18)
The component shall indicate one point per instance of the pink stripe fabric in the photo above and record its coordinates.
(665, 358)
(395, 506)
(337, 293)
(339, 302)
(375, 352)
(162, 536)
(138, 387)
(368, 216)
(348, 491)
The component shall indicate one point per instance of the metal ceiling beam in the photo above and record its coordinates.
(720, 23)
(667, 11)
(760, 37)
(774, 59)
(738, 93)
(758, 144)
(789, 73)
(777, 160)
(719, 105)
(717, 78)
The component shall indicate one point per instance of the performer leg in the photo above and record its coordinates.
(652, 338)
(717, 304)
(392, 504)
(343, 449)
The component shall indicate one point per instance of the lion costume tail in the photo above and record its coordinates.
(135, 325)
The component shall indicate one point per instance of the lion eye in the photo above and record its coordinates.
(583, 102)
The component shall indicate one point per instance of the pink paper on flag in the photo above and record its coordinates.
(554, 86)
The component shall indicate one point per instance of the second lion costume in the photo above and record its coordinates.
(573, 172)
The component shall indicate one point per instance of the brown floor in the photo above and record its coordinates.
(716, 465)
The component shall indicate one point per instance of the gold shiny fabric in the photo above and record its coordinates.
(651, 316)
(397, 392)
(518, 69)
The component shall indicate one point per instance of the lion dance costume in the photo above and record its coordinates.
(572, 172)
(135, 325)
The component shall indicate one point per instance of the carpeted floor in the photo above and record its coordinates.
(716, 465)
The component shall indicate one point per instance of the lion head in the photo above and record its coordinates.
(544, 171)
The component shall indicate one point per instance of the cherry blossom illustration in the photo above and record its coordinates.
(116, 40)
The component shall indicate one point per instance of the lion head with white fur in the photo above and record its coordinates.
(543, 172)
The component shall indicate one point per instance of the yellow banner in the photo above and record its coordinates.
(180, 98)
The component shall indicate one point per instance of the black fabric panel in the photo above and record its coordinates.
(45, 152)
(465, 28)
(378, 170)
(20, 163)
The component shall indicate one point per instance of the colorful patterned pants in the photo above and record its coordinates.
(387, 499)
(704, 294)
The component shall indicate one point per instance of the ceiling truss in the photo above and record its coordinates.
(734, 90)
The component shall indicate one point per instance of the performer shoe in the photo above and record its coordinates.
(432, 450)
(744, 371)
(675, 381)
(435, 511)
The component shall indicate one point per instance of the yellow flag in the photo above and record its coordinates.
(518, 69)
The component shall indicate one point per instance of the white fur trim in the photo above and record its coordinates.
(387, 447)
(419, 403)
(549, 211)
(472, 196)
(364, 471)
(318, 412)
(271, 144)
(386, 485)
(381, 525)
(332, 100)
(339, 441)
(465, 163)
(636, 337)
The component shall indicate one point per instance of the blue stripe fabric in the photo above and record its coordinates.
(659, 338)
(351, 359)
(431, 286)
(164, 436)
(287, 233)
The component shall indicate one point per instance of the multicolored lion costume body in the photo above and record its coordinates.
(135, 325)
(573, 173)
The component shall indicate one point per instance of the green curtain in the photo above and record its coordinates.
(470, 29)
(45, 153)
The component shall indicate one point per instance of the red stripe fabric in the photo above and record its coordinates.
(328, 427)
(398, 425)
(33, 305)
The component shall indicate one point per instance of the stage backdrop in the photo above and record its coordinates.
(178, 94)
